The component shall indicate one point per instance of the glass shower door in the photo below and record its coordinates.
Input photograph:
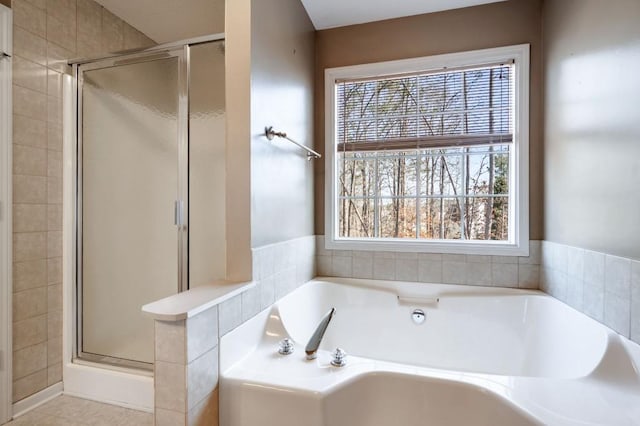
(129, 244)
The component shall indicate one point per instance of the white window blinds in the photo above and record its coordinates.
(429, 110)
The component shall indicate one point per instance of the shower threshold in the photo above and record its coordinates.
(117, 364)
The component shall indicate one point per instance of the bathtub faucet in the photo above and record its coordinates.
(314, 343)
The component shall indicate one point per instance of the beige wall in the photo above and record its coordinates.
(46, 34)
(592, 126)
(270, 71)
(282, 72)
(238, 149)
(499, 24)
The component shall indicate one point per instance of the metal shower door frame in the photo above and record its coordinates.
(182, 194)
(6, 256)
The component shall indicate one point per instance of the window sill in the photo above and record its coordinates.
(493, 248)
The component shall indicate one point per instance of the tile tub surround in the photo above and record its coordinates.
(602, 286)
(186, 353)
(499, 271)
(186, 348)
(277, 270)
(186, 370)
(46, 35)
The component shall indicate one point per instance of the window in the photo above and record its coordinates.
(429, 154)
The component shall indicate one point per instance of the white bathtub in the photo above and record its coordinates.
(482, 356)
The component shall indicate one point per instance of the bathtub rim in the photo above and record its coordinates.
(528, 394)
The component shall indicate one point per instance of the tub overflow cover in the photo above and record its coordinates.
(418, 316)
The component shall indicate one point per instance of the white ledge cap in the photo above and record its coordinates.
(191, 302)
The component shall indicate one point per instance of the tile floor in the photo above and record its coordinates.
(69, 411)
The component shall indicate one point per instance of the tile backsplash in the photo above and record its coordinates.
(499, 271)
(602, 286)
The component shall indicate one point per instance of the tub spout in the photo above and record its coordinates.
(314, 343)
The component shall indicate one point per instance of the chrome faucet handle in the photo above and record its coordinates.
(286, 347)
(339, 358)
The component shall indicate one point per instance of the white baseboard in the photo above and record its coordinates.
(29, 403)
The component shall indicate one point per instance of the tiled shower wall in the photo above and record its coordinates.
(46, 34)
(499, 271)
(604, 287)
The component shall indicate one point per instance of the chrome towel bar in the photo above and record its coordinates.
(270, 134)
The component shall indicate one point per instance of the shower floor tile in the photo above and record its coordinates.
(68, 411)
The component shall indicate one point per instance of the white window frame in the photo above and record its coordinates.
(518, 245)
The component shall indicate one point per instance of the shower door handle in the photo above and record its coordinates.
(178, 213)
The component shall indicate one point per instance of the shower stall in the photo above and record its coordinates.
(150, 178)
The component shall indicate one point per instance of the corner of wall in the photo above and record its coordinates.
(601, 286)
(278, 269)
(238, 152)
(282, 76)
